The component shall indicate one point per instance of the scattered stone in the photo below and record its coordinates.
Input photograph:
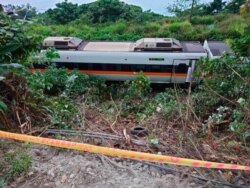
(64, 178)
(31, 173)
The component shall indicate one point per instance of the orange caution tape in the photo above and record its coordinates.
(121, 153)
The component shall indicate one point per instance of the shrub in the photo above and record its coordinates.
(233, 26)
(139, 87)
(174, 27)
(151, 27)
(119, 27)
(168, 104)
(204, 20)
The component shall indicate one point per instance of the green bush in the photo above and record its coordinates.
(203, 20)
(174, 27)
(14, 43)
(139, 87)
(151, 27)
(167, 103)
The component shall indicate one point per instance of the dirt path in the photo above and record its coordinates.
(68, 169)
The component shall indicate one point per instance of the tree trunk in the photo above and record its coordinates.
(192, 10)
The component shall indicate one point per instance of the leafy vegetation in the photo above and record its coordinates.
(110, 11)
(14, 163)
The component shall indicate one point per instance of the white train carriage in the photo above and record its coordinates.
(163, 60)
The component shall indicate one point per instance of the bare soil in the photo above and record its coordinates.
(53, 167)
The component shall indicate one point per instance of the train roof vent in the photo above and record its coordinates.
(62, 42)
(158, 44)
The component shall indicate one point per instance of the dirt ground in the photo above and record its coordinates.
(53, 167)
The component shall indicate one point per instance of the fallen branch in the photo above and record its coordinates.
(93, 135)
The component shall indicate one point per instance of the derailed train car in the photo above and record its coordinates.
(163, 60)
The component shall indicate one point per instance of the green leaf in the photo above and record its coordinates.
(9, 48)
(154, 141)
(3, 106)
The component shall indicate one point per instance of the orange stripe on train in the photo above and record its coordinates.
(122, 73)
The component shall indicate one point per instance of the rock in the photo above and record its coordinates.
(158, 109)
(153, 173)
(169, 176)
(158, 175)
(57, 183)
(51, 173)
(145, 167)
(30, 173)
(72, 176)
(241, 182)
(64, 178)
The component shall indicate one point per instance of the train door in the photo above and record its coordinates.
(181, 70)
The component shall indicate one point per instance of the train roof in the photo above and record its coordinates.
(192, 47)
(144, 44)
(107, 46)
(218, 48)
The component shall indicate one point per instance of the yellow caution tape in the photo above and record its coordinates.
(121, 153)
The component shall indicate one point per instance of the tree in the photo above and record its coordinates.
(102, 11)
(181, 7)
(214, 7)
(234, 6)
(1, 8)
(26, 12)
(13, 41)
(106, 10)
(64, 13)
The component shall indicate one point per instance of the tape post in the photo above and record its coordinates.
(121, 153)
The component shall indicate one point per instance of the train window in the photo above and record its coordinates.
(166, 68)
(69, 65)
(97, 66)
(125, 67)
(156, 59)
(139, 68)
(59, 65)
(163, 45)
(40, 65)
(181, 68)
(155, 68)
(61, 43)
(83, 66)
(111, 67)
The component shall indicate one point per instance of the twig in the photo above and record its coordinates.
(196, 148)
(237, 74)
(116, 117)
(224, 98)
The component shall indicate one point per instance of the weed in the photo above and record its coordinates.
(18, 162)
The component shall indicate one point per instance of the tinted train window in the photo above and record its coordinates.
(167, 68)
(181, 68)
(83, 66)
(125, 67)
(61, 43)
(160, 44)
(155, 68)
(97, 66)
(110, 67)
(40, 65)
(139, 68)
(59, 65)
(69, 65)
